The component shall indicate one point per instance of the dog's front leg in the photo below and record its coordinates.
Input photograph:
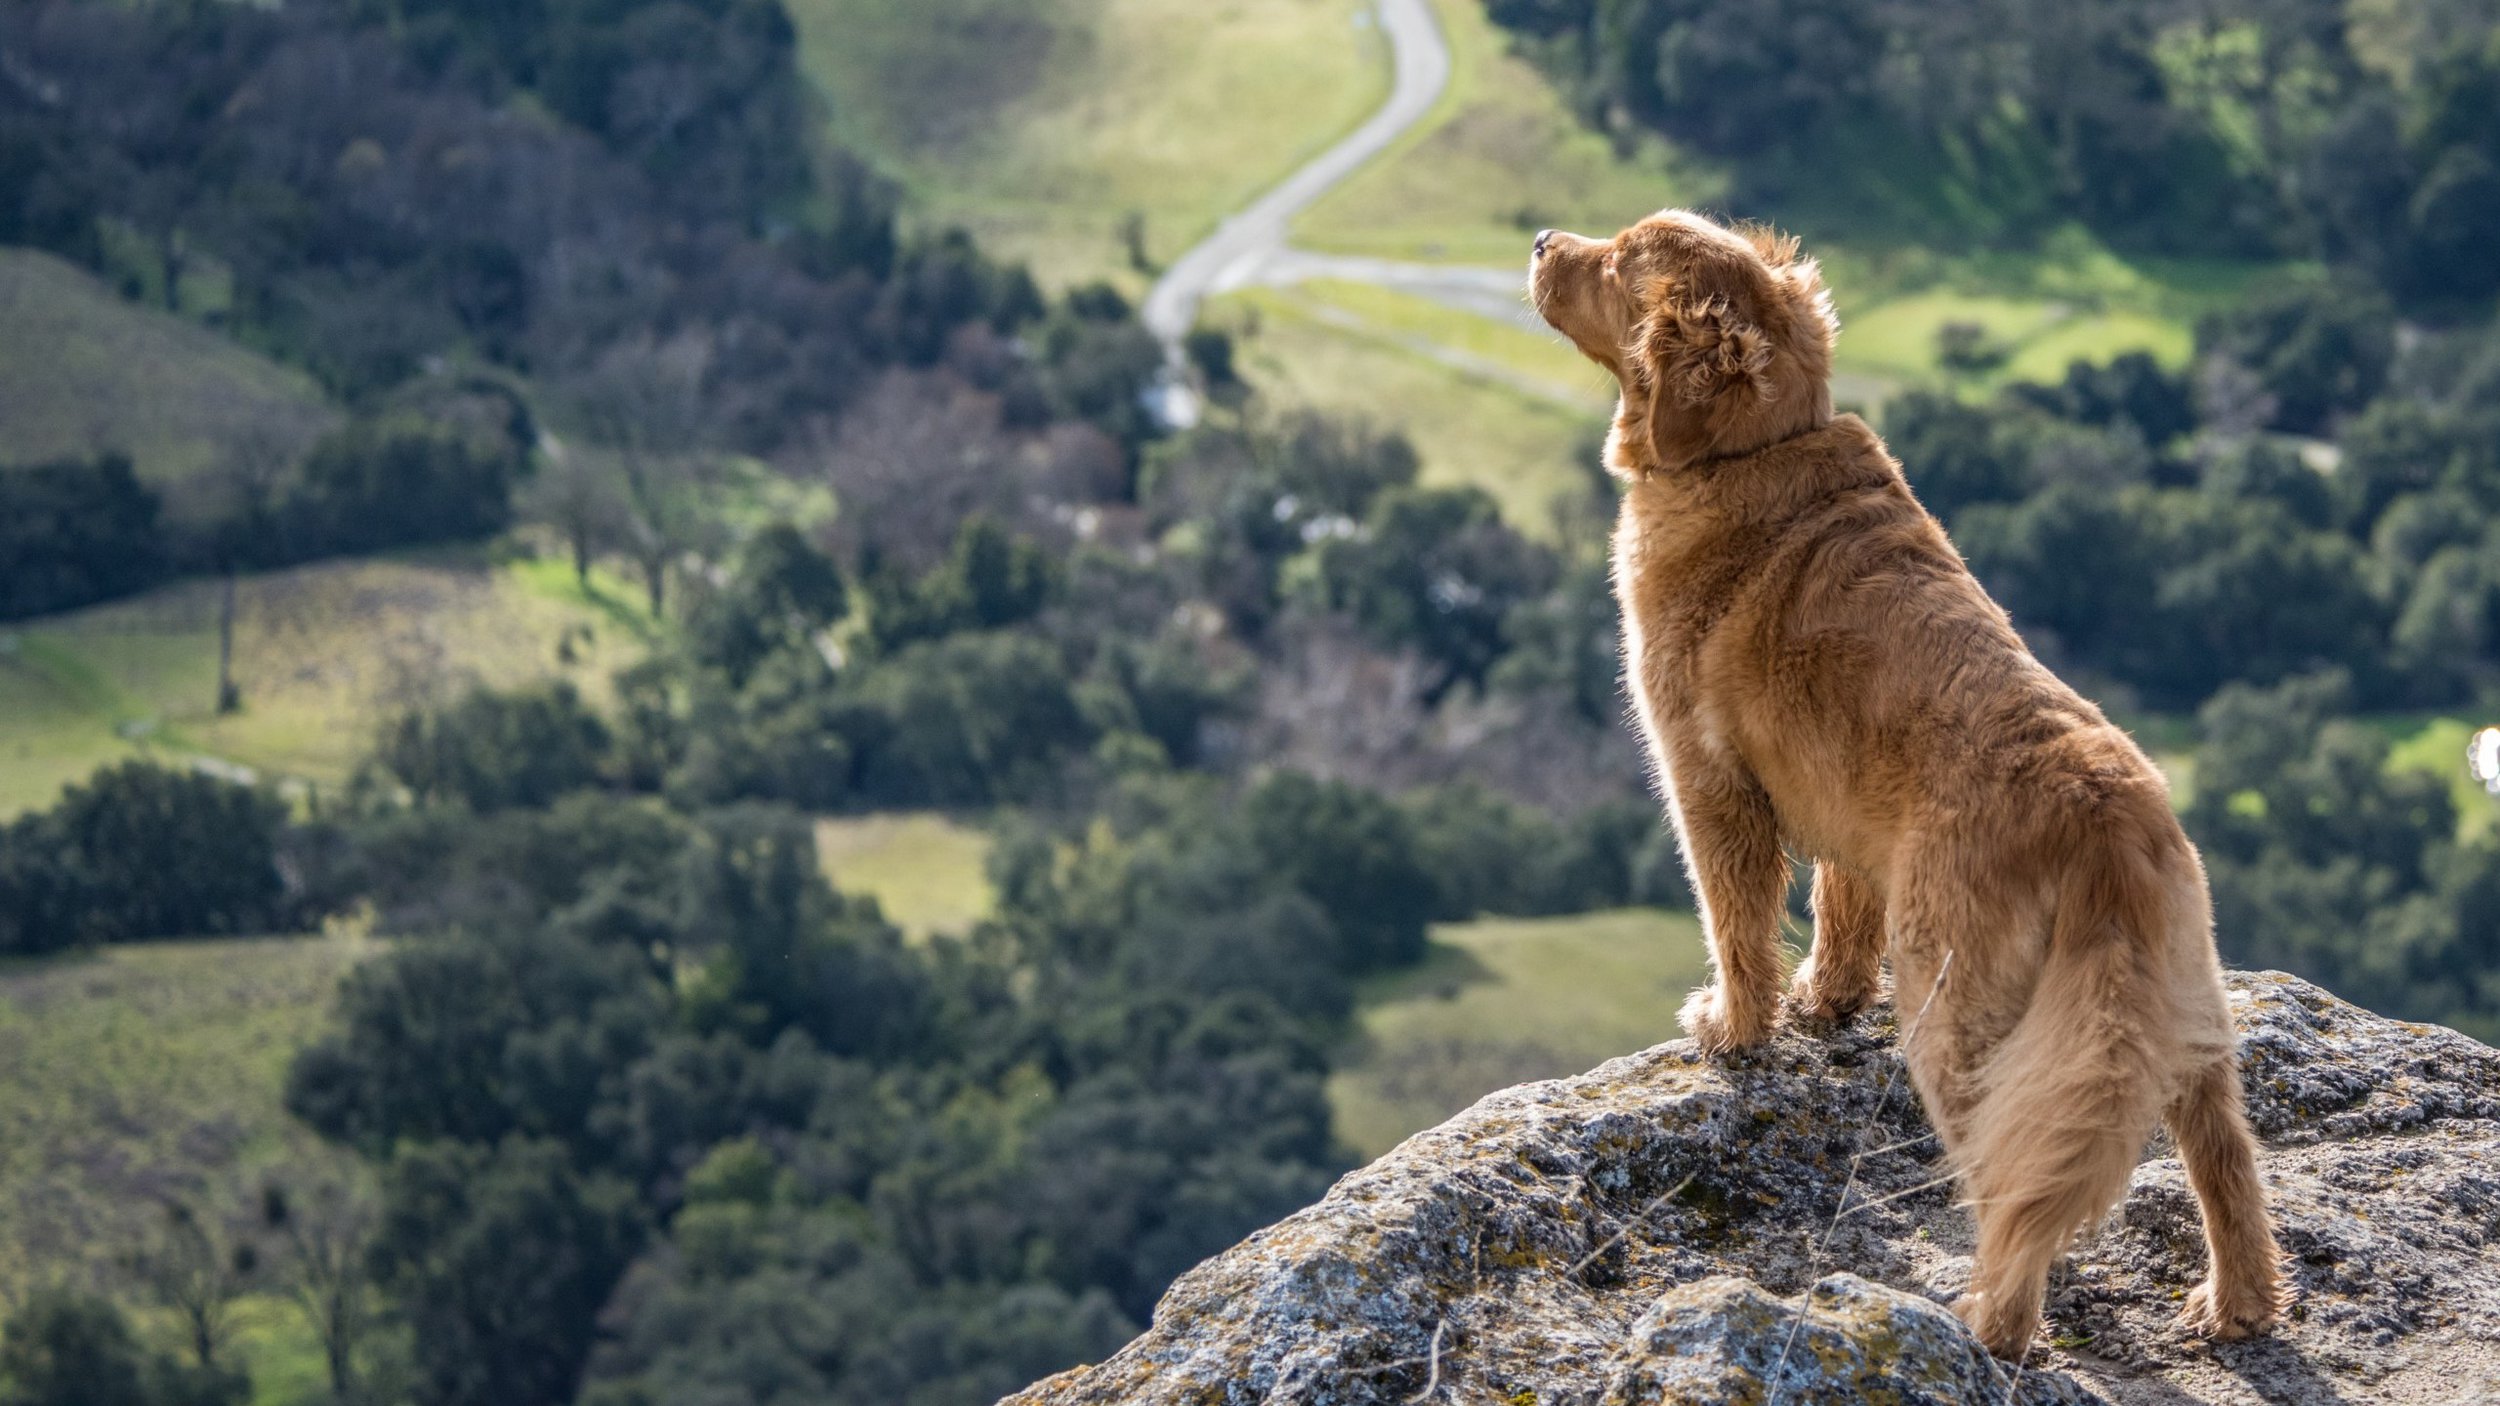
(1731, 845)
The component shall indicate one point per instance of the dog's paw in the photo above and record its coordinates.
(1810, 998)
(2005, 1335)
(1720, 1028)
(2227, 1317)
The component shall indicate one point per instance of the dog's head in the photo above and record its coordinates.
(1721, 339)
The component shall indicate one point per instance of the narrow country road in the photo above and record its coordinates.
(1251, 248)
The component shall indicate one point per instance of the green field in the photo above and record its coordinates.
(1469, 426)
(1500, 158)
(139, 1073)
(1041, 124)
(82, 369)
(1501, 1001)
(2069, 299)
(322, 655)
(928, 872)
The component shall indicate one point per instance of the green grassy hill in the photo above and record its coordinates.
(1483, 404)
(140, 1073)
(1501, 1001)
(136, 1072)
(83, 369)
(322, 655)
(1501, 157)
(1041, 124)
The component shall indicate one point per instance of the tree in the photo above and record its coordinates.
(142, 850)
(781, 593)
(789, 953)
(476, 1039)
(500, 1257)
(2323, 351)
(580, 495)
(198, 1266)
(644, 403)
(394, 481)
(489, 751)
(324, 1229)
(65, 1348)
(969, 718)
(74, 532)
(1436, 570)
(1354, 855)
(68, 1349)
(989, 580)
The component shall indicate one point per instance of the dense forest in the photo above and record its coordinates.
(657, 1114)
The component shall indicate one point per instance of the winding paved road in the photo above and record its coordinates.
(1251, 248)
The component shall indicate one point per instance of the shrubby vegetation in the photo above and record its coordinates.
(996, 1149)
(140, 851)
(64, 1348)
(2326, 862)
(2251, 128)
(2174, 542)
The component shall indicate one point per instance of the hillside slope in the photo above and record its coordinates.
(1041, 125)
(83, 369)
(323, 654)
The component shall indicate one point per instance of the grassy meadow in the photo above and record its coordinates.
(83, 369)
(926, 870)
(1471, 423)
(1501, 1001)
(322, 654)
(1040, 125)
(135, 1074)
(1501, 157)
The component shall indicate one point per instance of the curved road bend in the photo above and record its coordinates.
(1235, 255)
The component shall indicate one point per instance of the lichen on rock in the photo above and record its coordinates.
(1649, 1232)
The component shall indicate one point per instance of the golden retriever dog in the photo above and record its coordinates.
(1815, 669)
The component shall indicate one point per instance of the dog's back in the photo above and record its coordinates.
(1821, 626)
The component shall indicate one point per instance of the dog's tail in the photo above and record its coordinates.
(2068, 1099)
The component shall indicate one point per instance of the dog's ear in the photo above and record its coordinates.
(1805, 280)
(1696, 351)
(1797, 277)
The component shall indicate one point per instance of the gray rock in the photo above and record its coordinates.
(1649, 1232)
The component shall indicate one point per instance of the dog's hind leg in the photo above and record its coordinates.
(2243, 1288)
(1949, 984)
(2070, 1095)
(1731, 843)
(1848, 955)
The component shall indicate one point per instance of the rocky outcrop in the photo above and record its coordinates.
(1773, 1230)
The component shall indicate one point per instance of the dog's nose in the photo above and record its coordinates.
(1543, 238)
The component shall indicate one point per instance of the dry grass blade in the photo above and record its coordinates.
(1615, 1239)
(1432, 1381)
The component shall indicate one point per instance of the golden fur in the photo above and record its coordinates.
(1815, 669)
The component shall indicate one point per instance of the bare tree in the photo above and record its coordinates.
(198, 1265)
(580, 494)
(241, 488)
(642, 406)
(323, 1231)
